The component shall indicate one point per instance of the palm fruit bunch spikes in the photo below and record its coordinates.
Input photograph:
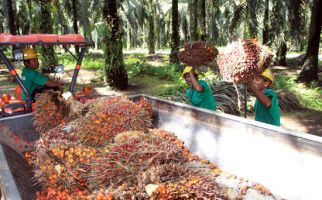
(171, 172)
(172, 138)
(60, 161)
(242, 60)
(197, 54)
(51, 110)
(111, 116)
(122, 161)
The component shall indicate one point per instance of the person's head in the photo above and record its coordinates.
(264, 80)
(30, 58)
(186, 74)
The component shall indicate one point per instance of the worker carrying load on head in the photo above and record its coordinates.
(34, 81)
(199, 93)
(266, 106)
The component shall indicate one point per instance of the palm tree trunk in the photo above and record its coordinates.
(151, 38)
(309, 69)
(75, 26)
(159, 33)
(281, 54)
(265, 21)
(195, 21)
(185, 28)
(46, 26)
(115, 72)
(11, 18)
(175, 40)
(203, 20)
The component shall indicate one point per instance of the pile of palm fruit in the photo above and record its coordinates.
(197, 54)
(242, 60)
(111, 152)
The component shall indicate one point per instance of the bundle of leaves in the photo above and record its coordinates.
(197, 54)
(61, 161)
(111, 116)
(51, 110)
(227, 98)
(288, 101)
(242, 60)
(122, 161)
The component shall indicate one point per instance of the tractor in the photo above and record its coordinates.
(9, 105)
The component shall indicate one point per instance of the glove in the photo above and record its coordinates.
(67, 95)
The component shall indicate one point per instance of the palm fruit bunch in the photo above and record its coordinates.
(62, 194)
(60, 161)
(193, 187)
(111, 116)
(197, 54)
(122, 161)
(158, 174)
(129, 135)
(72, 194)
(242, 60)
(51, 110)
(173, 139)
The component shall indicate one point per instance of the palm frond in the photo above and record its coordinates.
(239, 14)
(296, 8)
(251, 18)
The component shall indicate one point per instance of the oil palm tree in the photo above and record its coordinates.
(175, 39)
(309, 68)
(48, 56)
(115, 72)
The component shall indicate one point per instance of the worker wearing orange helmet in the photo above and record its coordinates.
(32, 79)
(199, 93)
(266, 106)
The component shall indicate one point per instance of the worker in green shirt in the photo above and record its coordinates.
(266, 106)
(199, 93)
(32, 79)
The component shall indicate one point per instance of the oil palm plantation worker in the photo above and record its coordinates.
(199, 93)
(266, 106)
(31, 78)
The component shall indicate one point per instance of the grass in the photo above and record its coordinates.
(310, 96)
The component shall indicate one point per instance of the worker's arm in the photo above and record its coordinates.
(54, 84)
(195, 84)
(265, 100)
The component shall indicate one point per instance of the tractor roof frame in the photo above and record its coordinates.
(19, 41)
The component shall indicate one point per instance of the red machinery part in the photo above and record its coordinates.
(45, 38)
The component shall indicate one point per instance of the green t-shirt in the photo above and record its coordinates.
(269, 115)
(32, 79)
(204, 99)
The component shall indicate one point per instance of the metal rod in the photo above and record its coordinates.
(67, 49)
(18, 79)
(77, 68)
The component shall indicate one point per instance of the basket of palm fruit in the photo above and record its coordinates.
(242, 60)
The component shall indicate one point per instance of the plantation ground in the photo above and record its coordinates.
(305, 120)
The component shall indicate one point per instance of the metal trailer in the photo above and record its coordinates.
(288, 163)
